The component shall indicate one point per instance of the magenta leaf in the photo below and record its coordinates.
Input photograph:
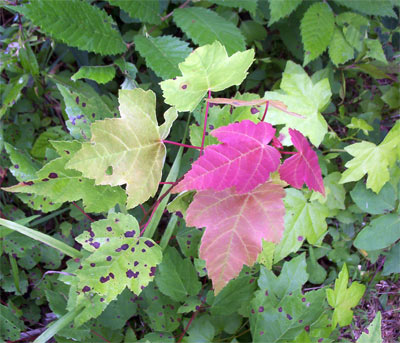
(235, 226)
(244, 159)
(303, 166)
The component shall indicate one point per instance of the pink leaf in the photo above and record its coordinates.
(302, 167)
(244, 160)
(235, 225)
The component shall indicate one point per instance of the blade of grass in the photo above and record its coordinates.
(41, 237)
(58, 325)
(15, 272)
(168, 231)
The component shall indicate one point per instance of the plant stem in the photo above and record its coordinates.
(182, 145)
(265, 111)
(205, 123)
(287, 152)
(83, 212)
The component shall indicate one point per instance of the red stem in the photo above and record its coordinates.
(205, 123)
(166, 183)
(83, 212)
(287, 152)
(180, 144)
(265, 111)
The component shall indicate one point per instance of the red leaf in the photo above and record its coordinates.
(244, 160)
(235, 225)
(303, 166)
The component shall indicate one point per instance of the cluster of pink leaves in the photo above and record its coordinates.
(236, 200)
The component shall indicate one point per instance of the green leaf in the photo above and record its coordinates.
(301, 96)
(188, 239)
(339, 50)
(119, 311)
(342, 299)
(204, 27)
(303, 220)
(83, 106)
(177, 277)
(392, 265)
(380, 233)
(369, 202)
(201, 331)
(147, 11)
(360, 124)
(100, 74)
(10, 325)
(234, 296)
(266, 257)
(375, 50)
(373, 335)
(374, 160)
(314, 269)
(317, 28)
(77, 24)
(206, 68)
(335, 192)
(126, 150)
(12, 92)
(249, 5)
(162, 54)
(24, 167)
(392, 96)
(59, 184)
(42, 143)
(121, 258)
(370, 7)
(280, 9)
(280, 311)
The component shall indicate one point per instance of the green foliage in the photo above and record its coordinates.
(280, 9)
(147, 11)
(317, 28)
(163, 54)
(204, 27)
(77, 24)
(100, 74)
(342, 299)
(374, 331)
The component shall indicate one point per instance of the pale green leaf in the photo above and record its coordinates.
(370, 7)
(301, 96)
(280, 9)
(373, 335)
(78, 24)
(206, 68)
(342, 299)
(59, 184)
(372, 159)
(303, 220)
(266, 256)
(121, 258)
(335, 193)
(181, 202)
(249, 5)
(339, 50)
(169, 117)
(204, 26)
(177, 277)
(317, 28)
(126, 150)
(380, 233)
(162, 54)
(360, 124)
(100, 74)
(375, 50)
(147, 11)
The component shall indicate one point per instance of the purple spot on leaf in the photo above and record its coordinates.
(109, 258)
(130, 233)
(254, 110)
(86, 289)
(289, 317)
(261, 309)
(53, 175)
(300, 238)
(149, 244)
(280, 309)
(109, 228)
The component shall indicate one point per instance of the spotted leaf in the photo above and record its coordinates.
(56, 184)
(235, 226)
(303, 166)
(244, 160)
(127, 150)
(120, 258)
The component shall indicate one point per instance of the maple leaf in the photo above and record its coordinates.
(235, 226)
(127, 150)
(57, 184)
(303, 166)
(206, 68)
(302, 96)
(374, 160)
(244, 160)
(120, 258)
(343, 298)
